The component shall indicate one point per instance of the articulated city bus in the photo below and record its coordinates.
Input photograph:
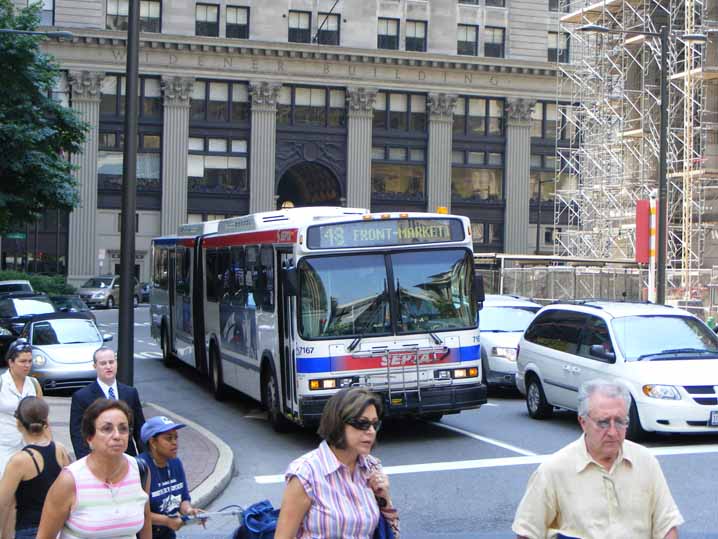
(290, 306)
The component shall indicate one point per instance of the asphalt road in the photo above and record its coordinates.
(460, 478)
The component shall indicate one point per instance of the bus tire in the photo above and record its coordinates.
(216, 380)
(270, 399)
(168, 359)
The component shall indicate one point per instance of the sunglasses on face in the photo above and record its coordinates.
(364, 424)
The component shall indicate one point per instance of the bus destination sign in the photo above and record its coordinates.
(384, 232)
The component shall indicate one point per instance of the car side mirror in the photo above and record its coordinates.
(479, 294)
(291, 286)
(107, 337)
(598, 351)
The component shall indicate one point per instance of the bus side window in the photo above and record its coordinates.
(236, 279)
(211, 272)
(223, 273)
(159, 277)
(267, 277)
(250, 274)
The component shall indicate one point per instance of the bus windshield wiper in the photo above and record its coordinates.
(435, 338)
(678, 351)
(354, 343)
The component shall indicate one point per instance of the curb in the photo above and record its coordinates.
(210, 488)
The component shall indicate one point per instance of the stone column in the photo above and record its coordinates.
(175, 143)
(360, 102)
(262, 146)
(82, 252)
(518, 167)
(438, 177)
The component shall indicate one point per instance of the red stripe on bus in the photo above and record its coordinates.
(251, 238)
(187, 243)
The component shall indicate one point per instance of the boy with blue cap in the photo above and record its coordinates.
(169, 491)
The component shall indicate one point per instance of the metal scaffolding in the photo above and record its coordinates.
(609, 94)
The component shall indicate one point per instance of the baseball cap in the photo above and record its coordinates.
(157, 425)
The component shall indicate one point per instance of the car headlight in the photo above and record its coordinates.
(661, 392)
(98, 295)
(505, 352)
(5, 332)
(38, 359)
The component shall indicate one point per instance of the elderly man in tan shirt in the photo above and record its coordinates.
(600, 486)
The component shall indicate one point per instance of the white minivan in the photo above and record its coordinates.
(667, 357)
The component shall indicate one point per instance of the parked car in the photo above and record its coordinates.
(502, 321)
(72, 304)
(16, 308)
(145, 292)
(62, 348)
(667, 358)
(15, 286)
(104, 291)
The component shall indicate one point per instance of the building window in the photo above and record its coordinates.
(237, 22)
(542, 179)
(473, 2)
(112, 97)
(206, 20)
(558, 47)
(494, 42)
(476, 176)
(118, 15)
(551, 121)
(398, 173)
(554, 5)
(218, 102)
(400, 112)
(467, 40)
(416, 36)
(328, 31)
(388, 34)
(47, 15)
(304, 106)
(300, 23)
(218, 165)
(478, 117)
(150, 16)
(496, 3)
(110, 158)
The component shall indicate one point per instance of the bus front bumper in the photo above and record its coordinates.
(434, 400)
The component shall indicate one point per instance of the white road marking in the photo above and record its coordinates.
(492, 441)
(499, 462)
(490, 404)
(148, 355)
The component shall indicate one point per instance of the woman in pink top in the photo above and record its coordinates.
(339, 489)
(100, 496)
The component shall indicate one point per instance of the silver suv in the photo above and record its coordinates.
(104, 291)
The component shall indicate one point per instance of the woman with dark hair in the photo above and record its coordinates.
(30, 472)
(339, 489)
(15, 385)
(100, 496)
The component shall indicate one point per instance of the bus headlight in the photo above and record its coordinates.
(471, 372)
(333, 383)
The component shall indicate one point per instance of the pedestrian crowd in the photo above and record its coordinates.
(127, 480)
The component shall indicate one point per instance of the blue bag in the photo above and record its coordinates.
(259, 521)
(383, 529)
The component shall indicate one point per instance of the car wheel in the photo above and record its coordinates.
(536, 403)
(110, 303)
(168, 358)
(216, 380)
(270, 399)
(635, 431)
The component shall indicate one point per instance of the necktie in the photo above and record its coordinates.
(111, 392)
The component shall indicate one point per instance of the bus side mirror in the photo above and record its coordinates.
(291, 287)
(479, 295)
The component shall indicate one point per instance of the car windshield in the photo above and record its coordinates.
(349, 295)
(69, 302)
(12, 307)
(65, 331)
(664, 337)
(98, 282)
(15, 287)
(506, 318)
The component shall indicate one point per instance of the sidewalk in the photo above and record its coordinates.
(207, 460)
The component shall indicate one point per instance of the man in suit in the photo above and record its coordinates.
(105, 387)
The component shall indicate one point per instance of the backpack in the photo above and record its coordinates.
(259, 521)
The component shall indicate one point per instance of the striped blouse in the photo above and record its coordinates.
(102, 510)
(343, 506)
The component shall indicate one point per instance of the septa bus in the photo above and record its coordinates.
(290, 306)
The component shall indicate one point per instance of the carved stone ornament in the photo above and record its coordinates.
(85, 84)
(361, 99)
(519, 110)
(264, 93)
(442, 104)
(177, 90)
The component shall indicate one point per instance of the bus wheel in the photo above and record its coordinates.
(270, 396)
(216, 382)
(167, 358)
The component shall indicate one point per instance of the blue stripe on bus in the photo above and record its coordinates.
(166, 241)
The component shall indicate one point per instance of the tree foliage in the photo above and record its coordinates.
(37, 133)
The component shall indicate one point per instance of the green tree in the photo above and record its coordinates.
(36, 132)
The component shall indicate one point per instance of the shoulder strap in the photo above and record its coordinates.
(142, 466)
(33, 459)
(36, 384)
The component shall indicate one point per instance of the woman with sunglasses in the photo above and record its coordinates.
(15, 385)
(339, 489)
(30, 472)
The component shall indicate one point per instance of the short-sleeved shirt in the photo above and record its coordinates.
(10, 397)
(572, 494)
(168, 489)
(343, 505)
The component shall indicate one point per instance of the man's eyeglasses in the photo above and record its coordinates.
(364, 424)
(621, 423)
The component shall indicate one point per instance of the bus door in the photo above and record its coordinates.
(287, 330)
(182, 320)
(171, 299)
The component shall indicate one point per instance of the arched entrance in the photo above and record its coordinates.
(309, 184)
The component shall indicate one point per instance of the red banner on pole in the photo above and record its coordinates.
(643, 228)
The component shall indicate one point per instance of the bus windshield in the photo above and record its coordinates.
(348, 295)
